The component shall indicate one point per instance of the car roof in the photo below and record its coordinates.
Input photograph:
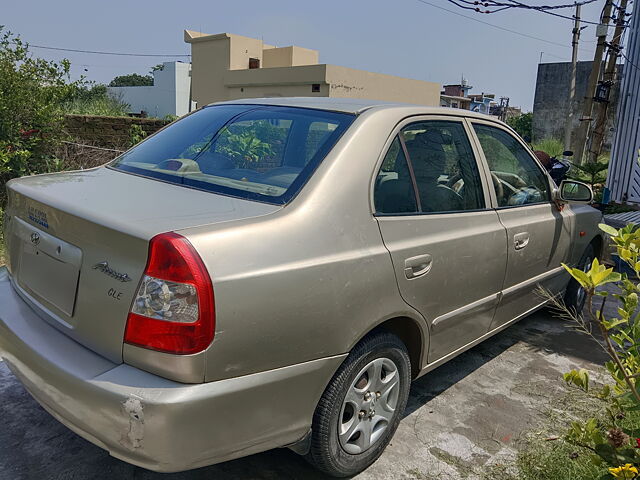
(350, 105)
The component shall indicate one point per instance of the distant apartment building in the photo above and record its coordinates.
(458, 96)
(169, 94)
(227, 67)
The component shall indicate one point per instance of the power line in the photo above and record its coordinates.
(123, 54)
(628, 61)
(500, 6)
(494, 25)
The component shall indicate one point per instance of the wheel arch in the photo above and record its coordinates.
(598, 245)
(412, 332)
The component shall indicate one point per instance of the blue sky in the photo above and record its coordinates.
(401, 37)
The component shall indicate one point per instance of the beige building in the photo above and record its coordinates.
(227, 67)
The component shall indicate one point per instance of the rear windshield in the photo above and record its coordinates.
(263, 153)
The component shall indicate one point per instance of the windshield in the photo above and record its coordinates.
(263, 153)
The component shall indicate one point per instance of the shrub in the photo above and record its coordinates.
(522, 124)
(96, 100)
(610, 441)
(31, 114)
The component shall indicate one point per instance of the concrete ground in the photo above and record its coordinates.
(461, 418)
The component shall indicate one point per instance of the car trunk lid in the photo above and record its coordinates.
(77, 244)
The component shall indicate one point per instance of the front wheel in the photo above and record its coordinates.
(361, 407)
(575, 296)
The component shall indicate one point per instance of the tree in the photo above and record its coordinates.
(32, 94)
(158, 67)
(522, 124)
(132, 80)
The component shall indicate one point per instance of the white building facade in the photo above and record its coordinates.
(169, 94)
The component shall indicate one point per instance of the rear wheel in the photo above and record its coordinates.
(575, 296)
(361, 408)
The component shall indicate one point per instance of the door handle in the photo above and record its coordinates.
(415, 267)
(520, 240)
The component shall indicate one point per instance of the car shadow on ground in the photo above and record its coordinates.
(34, 445)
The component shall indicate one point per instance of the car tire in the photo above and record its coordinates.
(575, 297)
(361, 407)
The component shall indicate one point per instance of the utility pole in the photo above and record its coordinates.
(504, 108)
(608, 80)
(585, 120)
(568, 127)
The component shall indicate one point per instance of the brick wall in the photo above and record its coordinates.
(108, 132)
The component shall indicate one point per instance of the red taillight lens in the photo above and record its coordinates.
(173, 310)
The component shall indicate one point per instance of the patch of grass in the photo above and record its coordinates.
(104, 105)
(544, 455)
(551, 146)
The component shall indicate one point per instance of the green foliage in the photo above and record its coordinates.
(243, 147)
(250, 143)
(31, 111)
(136, 134)
(132, 80)
(592, 173)
(95, 100)
(522, 124)
(580, 378)
(551, 146)
(610, 443)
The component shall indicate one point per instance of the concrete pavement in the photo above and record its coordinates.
(461, 418)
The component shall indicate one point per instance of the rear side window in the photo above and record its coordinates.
(517, 178)
(441, 169)
(263, 153)
(444, 166)
(394, 191)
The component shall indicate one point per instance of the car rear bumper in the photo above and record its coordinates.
(147, 420)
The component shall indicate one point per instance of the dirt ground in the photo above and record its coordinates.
(461, 420)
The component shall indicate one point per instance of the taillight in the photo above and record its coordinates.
(174, 309)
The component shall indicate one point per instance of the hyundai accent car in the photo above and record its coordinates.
(275, 272)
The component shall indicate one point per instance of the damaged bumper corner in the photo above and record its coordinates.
(147, 420)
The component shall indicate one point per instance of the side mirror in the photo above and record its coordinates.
(567, 153)
(572, 191)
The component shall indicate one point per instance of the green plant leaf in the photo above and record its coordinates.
(608, 229)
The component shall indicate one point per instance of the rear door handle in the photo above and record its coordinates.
(520, 240)
(415, 267)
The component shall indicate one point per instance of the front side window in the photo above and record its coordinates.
(517, 178)
(445, 169)
(263, 153)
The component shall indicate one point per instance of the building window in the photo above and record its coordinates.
(254, 63)
(315, 87)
